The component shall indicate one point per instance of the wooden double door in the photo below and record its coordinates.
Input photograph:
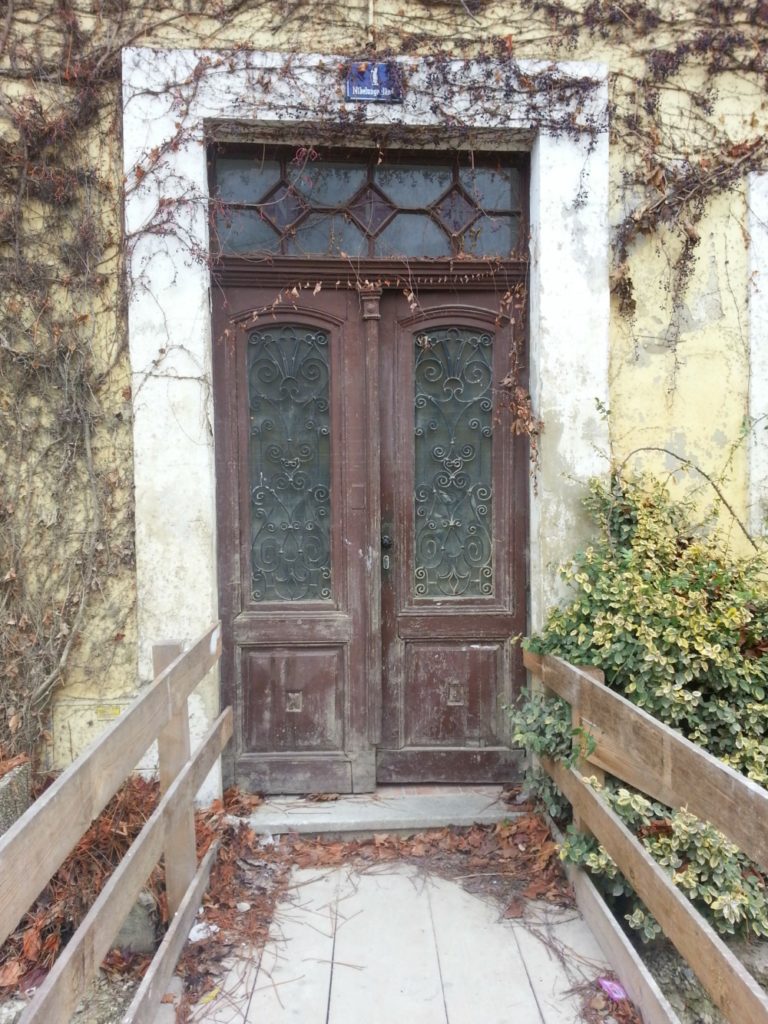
(372, 508)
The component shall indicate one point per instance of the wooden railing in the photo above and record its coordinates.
(34, 847)
(643, 752)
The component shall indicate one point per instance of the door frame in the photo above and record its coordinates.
(169, 325)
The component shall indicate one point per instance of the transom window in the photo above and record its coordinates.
(310, 202)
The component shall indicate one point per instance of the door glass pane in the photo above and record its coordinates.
(245, 180)
(492, 188)
(412, 187)
(327, 184)
(453, 552)
(367, 203)
(290, 465)
(322, 233)
(413, 234)
(245, 231)
(490, 235)
(284, 207)
(372, 210)
(455, 211)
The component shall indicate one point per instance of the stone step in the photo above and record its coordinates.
(402, 809)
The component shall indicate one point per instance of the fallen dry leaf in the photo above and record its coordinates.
(10, 973)
(515, 909)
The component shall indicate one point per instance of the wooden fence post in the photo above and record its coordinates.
(173, 750)
(582, 765)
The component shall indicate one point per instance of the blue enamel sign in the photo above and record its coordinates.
(372, 82)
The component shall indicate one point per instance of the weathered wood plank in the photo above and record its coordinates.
(458, 766)
(173, 749)
(370, 305)
(731, 987)
(34, 847)
(649, 755)
(61, 991)
(144, 1004)
(638, 981)
(578, 722)
(640, 984)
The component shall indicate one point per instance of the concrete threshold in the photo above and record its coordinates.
(389, 809)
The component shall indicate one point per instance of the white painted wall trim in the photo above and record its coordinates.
(757, 298)
(168, 97)
(569, 344)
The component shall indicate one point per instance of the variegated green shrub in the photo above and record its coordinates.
(724, 884)
(678, 625)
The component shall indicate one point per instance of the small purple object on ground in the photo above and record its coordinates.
(612, 989)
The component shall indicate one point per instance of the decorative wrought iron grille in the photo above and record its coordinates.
(453, 549)
(290, 463)
(303, 203)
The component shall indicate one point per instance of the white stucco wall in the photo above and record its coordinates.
(757, 198)
(168, 96)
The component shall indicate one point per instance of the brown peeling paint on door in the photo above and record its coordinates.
(372, 533)
(454, 500)
(295, 539)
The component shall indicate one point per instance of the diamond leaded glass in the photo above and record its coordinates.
(453, 550)
(356, 204)
(290, 464)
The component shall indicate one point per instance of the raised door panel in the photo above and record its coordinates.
(293, 699)
(449, 694)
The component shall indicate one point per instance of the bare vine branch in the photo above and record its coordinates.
(689, 464)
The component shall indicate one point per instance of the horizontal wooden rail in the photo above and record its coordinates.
(37, 844)
(727, 981)
(649, 755)
(642, 987)
(148, 997)
(645, 753)
(61, 991)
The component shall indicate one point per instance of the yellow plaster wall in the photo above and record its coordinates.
(688, 393)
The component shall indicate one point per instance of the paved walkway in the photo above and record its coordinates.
(392, 945)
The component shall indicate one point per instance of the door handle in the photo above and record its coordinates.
(386, 541)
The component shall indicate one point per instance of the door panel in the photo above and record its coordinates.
(292, 699)
(453, 519)
(294, 522)
(449, 691)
